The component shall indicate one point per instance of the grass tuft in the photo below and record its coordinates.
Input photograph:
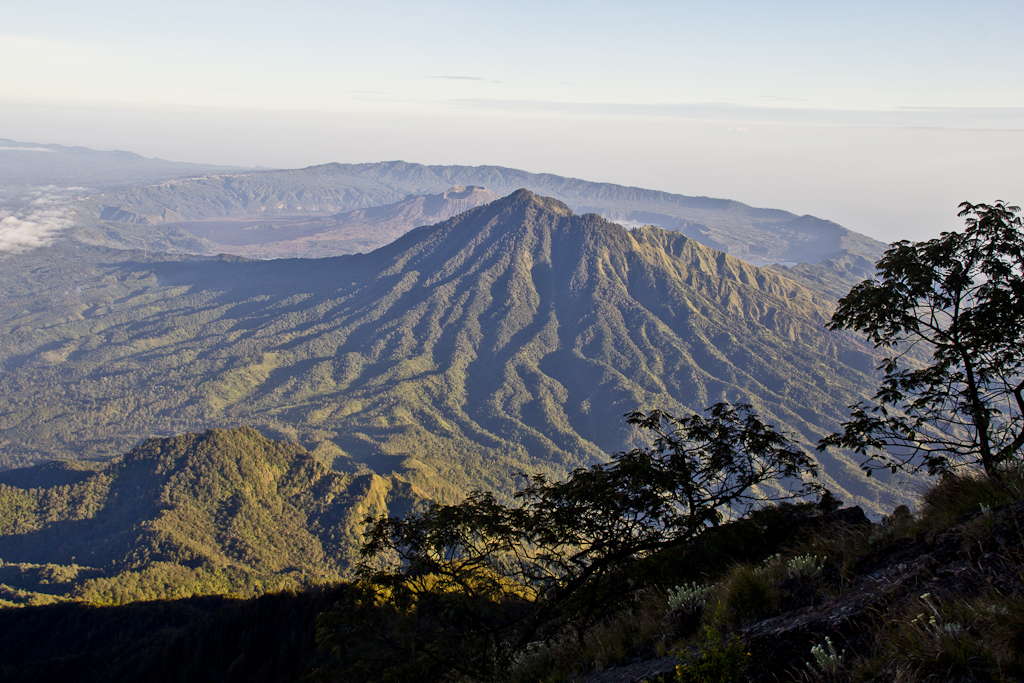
(959, 494)
(747, 595)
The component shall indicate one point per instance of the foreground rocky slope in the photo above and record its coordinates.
(891, 601)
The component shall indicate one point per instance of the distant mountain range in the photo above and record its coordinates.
(29, 163)
(510, 338)
(157, 205)
(166, 215)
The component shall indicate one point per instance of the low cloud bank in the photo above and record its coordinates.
(36, 223)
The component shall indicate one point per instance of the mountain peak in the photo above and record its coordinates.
(511, 337)
(522, 197)
(465, 191)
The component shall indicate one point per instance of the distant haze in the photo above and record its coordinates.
(879, 116)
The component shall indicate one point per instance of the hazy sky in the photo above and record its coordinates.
(882, 116)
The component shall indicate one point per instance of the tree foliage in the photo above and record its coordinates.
(226, 511)
(551, 555)
(958, 300)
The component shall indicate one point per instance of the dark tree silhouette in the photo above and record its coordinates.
(562, 545)
(950, 314)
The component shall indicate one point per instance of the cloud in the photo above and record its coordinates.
(459, 78)
(18, 235)
(25, 149)
(37, 226)
(47, 200)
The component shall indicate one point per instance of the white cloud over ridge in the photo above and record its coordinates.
(36, 225)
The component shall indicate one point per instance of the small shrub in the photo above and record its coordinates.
(826, 659)
(718, 660)
(805, 566)
(842, 546)
(773, 569)
(900, 524)
(639, 628)
(769, 564)
(688, 597)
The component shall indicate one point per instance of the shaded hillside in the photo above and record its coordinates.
(758, 235)
(832, 277)
(345, 233)
(217, 639)
(510, 338)
(219, 512)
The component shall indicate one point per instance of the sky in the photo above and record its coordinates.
(881, 116)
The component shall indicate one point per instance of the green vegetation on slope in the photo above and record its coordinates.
(511, 338)
(810, 592)
(778, 582)
(227, 511)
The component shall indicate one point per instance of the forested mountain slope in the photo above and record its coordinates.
(510, 338)
(219, 512)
